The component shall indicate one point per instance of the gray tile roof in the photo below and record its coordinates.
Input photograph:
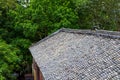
(70, 54)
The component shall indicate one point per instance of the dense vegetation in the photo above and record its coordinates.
(23, 23)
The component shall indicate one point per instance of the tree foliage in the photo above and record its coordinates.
(104, 13)
(8, 60)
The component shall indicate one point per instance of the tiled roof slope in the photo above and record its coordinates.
(79, 55)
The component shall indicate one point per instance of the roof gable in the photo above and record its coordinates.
(78, 54)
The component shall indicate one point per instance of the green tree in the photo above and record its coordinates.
(50, 15)
(8, 60)
(13, 45)
(98, 12)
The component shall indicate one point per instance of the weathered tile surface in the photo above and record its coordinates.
(77, 56)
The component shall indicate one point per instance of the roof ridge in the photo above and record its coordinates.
(84, 31)
(102, 33)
